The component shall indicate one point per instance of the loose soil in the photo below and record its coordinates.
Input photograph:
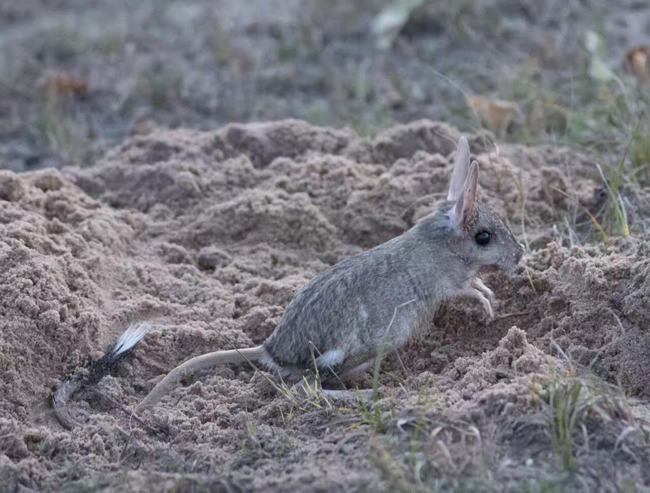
(187, 228)
(159, 178)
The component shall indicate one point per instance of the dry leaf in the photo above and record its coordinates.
(638, 63)
(493, 113)
(62, 84)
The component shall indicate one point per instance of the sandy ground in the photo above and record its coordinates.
(166, 197)
(225, 226)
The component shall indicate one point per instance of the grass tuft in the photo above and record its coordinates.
(572, 405)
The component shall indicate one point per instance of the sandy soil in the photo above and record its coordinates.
(158, 211)
(180, 226)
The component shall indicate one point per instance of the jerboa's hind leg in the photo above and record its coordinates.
(352, 372)
(332, 368)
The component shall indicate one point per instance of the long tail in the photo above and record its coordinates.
(96, 371)
(195, 364)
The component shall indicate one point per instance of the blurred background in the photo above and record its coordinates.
(78, 76)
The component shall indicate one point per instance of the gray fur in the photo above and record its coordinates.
(431, 263)
(386, 295)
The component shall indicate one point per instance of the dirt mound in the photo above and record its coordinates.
(226, 226)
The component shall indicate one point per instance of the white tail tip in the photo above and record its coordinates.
(131, 337)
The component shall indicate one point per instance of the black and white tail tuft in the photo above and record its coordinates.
(97, 370)
(127, 341)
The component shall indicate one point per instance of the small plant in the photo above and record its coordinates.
(568, 414)
(55, 133)
(251, 432)
(615, 215)
(641, 152)
(372, 416)
(569, 402)
(362, 86)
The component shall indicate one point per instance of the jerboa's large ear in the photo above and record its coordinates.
(461, 166)
(468, 199)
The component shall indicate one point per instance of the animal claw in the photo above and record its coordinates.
(480, 295)
(487, 306)
(480, 286)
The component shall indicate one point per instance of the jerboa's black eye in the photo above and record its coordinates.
(482, 238)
